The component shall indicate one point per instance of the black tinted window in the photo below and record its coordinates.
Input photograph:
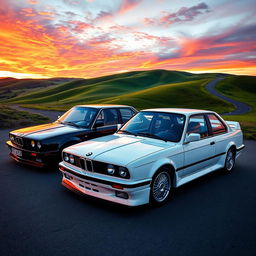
(108, 117)
(82, 116)
(126, 114)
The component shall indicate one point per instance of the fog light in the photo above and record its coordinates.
(123, 195)
(111, 169)
(68, 176)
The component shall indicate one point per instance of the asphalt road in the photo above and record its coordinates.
(214, 215)
(53, 115)
(241, 108)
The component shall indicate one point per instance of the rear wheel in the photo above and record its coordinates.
(230, 161)
(160, 187)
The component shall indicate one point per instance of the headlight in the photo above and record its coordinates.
(123, 172)
(71, 159)
(33, 144)
(39, 145)
(111, 169)
(66, 157)
(11, 137)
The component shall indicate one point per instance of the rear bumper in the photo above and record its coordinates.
(130, 194)
(33, 158)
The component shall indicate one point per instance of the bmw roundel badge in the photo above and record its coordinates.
(89, 154)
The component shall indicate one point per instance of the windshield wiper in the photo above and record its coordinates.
(71, 123)
(151, 135)
(127, 132)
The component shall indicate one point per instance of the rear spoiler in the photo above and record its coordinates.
(233, 125)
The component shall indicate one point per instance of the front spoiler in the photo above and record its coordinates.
(46, 157)
(105, 189)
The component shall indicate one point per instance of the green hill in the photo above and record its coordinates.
(105, 89)
(11, 87)
(142, 89)
(242, 88)
(11, 118)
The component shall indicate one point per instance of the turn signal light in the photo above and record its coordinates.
(62, 168)
(117, 186)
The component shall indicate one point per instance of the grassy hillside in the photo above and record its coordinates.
(146, 89)
(242, 88)
(104, 89)
(11, 118)
(11, 87)
(190, 94)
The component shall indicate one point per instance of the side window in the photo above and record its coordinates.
(109, 116)
(197, 124)
(126, 114)
(216, 124)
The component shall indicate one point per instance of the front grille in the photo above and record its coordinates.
(24, 143)
(100, 167)
(89, 165)
(82, 163)
(18, 141)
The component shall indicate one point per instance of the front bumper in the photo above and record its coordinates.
(33, 158)
(87, 183)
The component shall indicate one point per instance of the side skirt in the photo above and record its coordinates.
(185, 179)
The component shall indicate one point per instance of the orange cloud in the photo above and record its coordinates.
(32, 2)
(46, 44)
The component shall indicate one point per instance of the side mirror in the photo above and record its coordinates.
(119, 126)
(98, 124)
(192, 137)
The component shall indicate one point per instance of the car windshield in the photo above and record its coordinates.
(79, 116)
(158, 125)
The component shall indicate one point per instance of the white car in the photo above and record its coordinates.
(154, 152)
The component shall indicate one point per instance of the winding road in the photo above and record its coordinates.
(52, 115)
(241, 108)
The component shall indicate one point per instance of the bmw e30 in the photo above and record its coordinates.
(154, 152)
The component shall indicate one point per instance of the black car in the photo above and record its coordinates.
(42, 144)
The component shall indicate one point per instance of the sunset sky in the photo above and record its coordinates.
(90, 38)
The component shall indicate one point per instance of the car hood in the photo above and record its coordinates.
(118, 149)
(45, 131)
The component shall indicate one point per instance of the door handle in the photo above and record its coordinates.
(212, 143)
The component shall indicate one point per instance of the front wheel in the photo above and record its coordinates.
(160, 187)
(230, 161)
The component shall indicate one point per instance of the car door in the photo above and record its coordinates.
(198, 155)
(106, 122)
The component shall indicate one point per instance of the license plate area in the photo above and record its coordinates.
(16, 152)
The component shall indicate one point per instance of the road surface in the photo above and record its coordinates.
(240, 107)
(214, 215)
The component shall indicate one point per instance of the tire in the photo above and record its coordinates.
(161, 186)
(230, 161)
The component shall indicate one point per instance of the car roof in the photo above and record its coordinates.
(102, 106)
(184, 111)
